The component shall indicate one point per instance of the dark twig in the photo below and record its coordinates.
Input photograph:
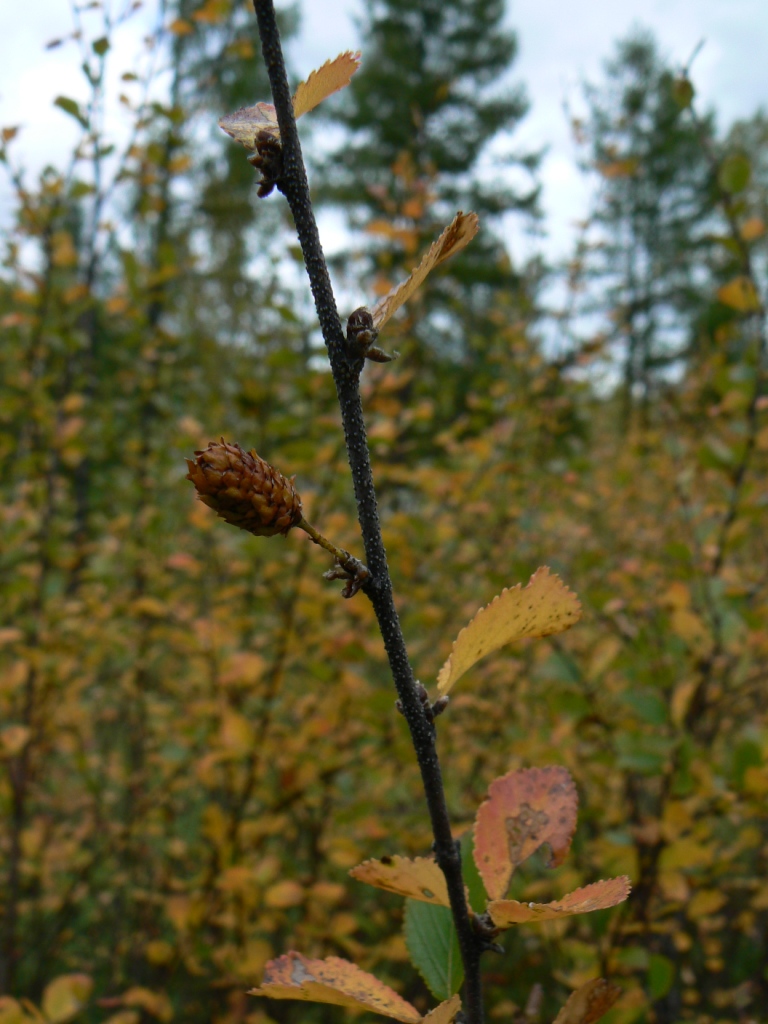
(346, 370)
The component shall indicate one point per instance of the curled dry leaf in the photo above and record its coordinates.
(445, 1013)
(333, 980)
(419, 879)
(459, 233)
(543, 607)
(524, 810)
(589, 1003)
(246, 123)
(598, 896)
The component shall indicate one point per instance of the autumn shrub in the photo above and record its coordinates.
(199, 739)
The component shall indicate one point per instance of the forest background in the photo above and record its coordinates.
(198, 738)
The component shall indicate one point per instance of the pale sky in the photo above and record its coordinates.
(560, 45)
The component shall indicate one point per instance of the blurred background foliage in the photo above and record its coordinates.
(198, 737)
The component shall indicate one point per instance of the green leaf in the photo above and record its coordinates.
(682, 92)
(477, 894)
(648, 705)
(71, 107)
(661, 974)
(434, 947)
(643, 752)
(735, 172)
(747, 754)
(100, 46)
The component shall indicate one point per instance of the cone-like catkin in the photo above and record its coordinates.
(244, 489)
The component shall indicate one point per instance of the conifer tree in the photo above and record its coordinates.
(652, 218)
(423, 115)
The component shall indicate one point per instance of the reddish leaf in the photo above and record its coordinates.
(589, 1003)
(598, 896)
(524, 810)
(293, 976)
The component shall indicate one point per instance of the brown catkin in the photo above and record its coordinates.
(244, 489)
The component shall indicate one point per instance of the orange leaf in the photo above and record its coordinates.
(333, 980)
(180, 27)
(333, 75)
(524, 810)
(752, 229)
(619, 168)
(589, 1003)
(598, 896)
(445, 1013)
(459, 233)
(543, 607)
(419, 879)
(740, 294)
(284, 894)
(245, 124)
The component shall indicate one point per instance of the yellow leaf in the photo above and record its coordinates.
(740, 294)
(155, 1003)
(419, 879)
(157, 951)
(213, 12)
(332, 980)
(674, 885)
(589, 1003)
(681, 700)
(150, 606)
(604, 653)
(705, 902)
(12, 1012)
(445, 1013)
(283, 895)
(686, 854)
(333, 75)
(598, 896)
(459, 233)
(66, 996)
(543, 607)
(236, 735)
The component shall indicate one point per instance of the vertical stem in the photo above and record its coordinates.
(346, 374)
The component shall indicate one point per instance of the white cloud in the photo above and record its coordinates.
(560, 44)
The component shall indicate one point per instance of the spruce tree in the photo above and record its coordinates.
(653, 217)
(422, 116)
